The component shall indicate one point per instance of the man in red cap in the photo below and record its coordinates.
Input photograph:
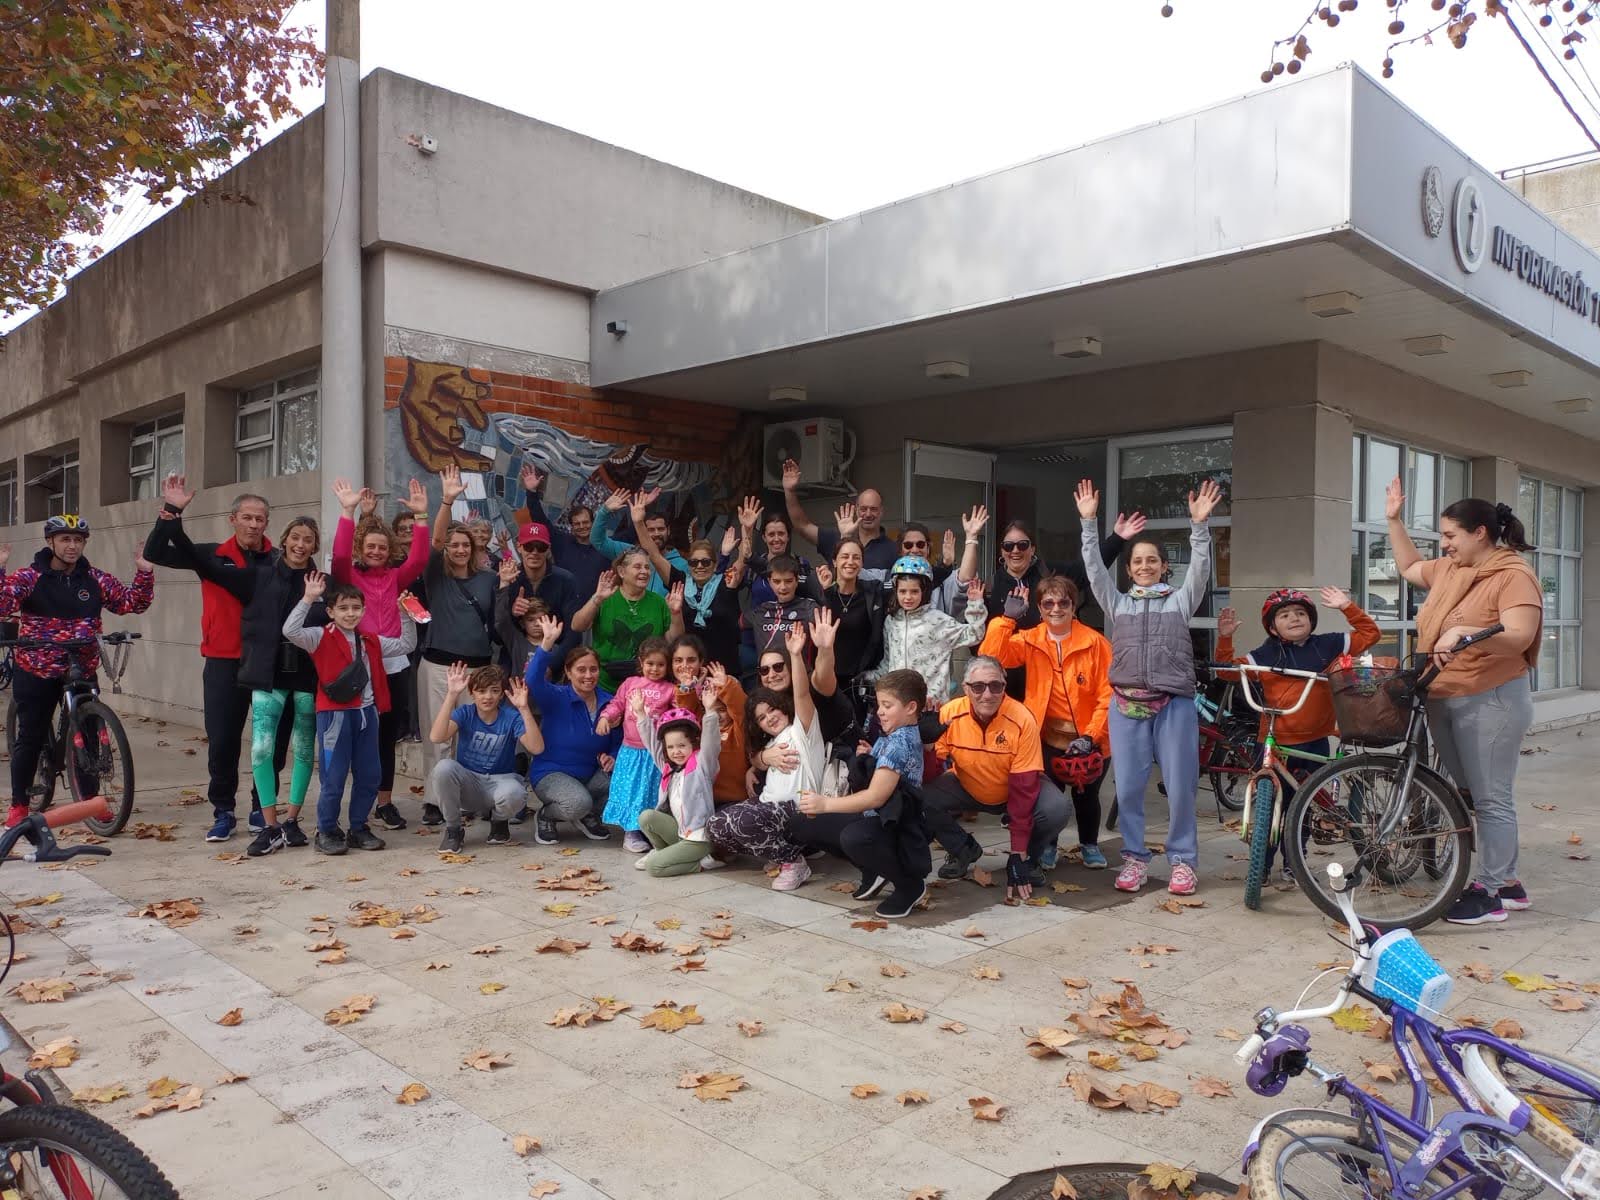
(539, 577)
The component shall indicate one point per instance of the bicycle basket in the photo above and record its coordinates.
(1402, 971)
(1371, 704)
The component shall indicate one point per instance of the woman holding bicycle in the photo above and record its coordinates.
(1481, 704)
(58, 598)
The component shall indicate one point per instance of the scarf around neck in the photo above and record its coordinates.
(700, 602)
(1154, 592)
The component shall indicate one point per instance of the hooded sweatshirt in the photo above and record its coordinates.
(923, 640)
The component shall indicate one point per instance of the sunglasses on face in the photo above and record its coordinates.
(911, 545)
(702, 562)
(769, 669)
(993, 686)
(1013, 547)
(535, 548)
(1052, 602)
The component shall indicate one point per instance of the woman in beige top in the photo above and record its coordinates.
(1481, 704)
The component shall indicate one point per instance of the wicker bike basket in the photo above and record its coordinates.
(1372, 704)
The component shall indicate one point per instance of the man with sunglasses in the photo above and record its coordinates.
(539, 578)
(992, 759)
(864, 518)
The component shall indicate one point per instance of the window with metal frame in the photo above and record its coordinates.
(1432, 481)
(1552, 514)
(9, 513)
(154, 452)
(59, 481)
(277, 427)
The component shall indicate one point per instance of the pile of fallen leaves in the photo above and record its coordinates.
(586, 881)
(604, 1008)
(350, 1011)
(174, 914)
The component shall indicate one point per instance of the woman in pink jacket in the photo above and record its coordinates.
(381, 583)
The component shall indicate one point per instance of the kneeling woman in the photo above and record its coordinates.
(759, 827)
(879, 825)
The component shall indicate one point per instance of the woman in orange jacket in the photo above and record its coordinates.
(1068, 691)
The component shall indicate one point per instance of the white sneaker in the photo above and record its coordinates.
(638, 863)
(711, 863)
(791, 875)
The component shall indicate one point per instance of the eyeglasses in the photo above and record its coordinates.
(1053, 602)
(769, 669)
(702, 562)
(1013, 547)
(536, 548)
(993, 686)
(908, 544)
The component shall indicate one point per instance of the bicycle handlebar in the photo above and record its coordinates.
(1245, 668)
(36, 828)
(120, 638)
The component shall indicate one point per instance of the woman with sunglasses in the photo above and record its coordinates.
(1068, 691)
(1021, 566)
(710, 597)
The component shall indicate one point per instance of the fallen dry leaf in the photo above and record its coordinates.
(35, 901)
(911, 1097)
(173, 913)
(1142, 1052)
(407, 872)
(718, 933)
(1164, 1175)
(42, 991)
(669, 923)
(522, 1145)
(1062, 1189)
(1353, 1018)
(869, 925)
(402, 933)
(1566, 1002)
(1213, 1088)
(1076, 982)
(972, 931)
(863, 1090)
(437, 966)
(986, 972)
(411, 1093)
(231, 1018)
(637, 942)
(450, 856)
(355, 878)
(1573, 839)
(953, 1027)
(1529, 983)
(231, 1077)
(545, 1187)
(1047, 1041)
(606, 920)
(1480, 971)
(1508, 1028)
(842, 886)
(1062, 889)
(985, 1109)
(59, 1053)
(901, 1014)
(892, 971)
(104, 1094)
(718, 1085)
(751, 1028)
(690, 964)
(1105, 1060)
(489, 948)
(982, 878)
(669, 1018)
(1383, 1072)
(558, 945)
(489, 989)
(486, 1060)
(160, 1089)
(925, 1193)
(843, 985)
(467, 891)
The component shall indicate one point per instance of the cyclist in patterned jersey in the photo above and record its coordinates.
(58, 598)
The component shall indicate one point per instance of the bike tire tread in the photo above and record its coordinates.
(98, 1143)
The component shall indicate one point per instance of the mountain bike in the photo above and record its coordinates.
(48, 1148)
(1399, 828)
(1262, 825)
(86, 742)
(1504, 1091)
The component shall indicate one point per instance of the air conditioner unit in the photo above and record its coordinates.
(821, 445)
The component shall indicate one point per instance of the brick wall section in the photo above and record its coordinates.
(677, 429)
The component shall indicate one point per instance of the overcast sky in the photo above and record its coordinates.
(840, 105)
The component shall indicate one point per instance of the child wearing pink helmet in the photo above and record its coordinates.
(676, 826)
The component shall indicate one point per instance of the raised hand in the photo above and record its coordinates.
(1129, 526)
(716, 678)
(1394, 500)
(972, 522)
(417, 500)
(1017, 602)
(636, 704)
(532, 478)
(605, 585)
(1088, 500)
(617, 501)
(791, 474)
(675, 599)
(730, 539)
(140, 562)
(503, 540)
(750, 513)
(549, 631)
(975, 589)
(450, 485)
(824, 628)
(369, 502)
(949, 548)
(846, 519)
(316, 585)
(520, 607)
(1227, 623)
(794, 639)
(1333, 597)
(175, 493)
(517, 693)
(708, 694)
(638, 506)
(650, 497)
(824, 575)
(455, 678)
(508, 575)
(1202, 502)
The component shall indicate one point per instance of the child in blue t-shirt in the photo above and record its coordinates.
(483, 776)
(879, 826)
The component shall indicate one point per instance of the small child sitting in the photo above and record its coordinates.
(483, 776)
(676, 827)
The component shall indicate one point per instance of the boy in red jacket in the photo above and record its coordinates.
(352, 691)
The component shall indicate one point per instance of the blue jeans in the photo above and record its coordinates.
(347, 745)
(1172, 739)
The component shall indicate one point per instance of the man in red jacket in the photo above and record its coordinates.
(227, 705)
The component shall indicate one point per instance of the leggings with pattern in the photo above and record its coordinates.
(266, 711)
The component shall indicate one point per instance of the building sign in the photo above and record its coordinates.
(1533, 268)
(1469, 229)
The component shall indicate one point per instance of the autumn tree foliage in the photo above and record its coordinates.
(101, 97)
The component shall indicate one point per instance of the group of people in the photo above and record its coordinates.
(733, 698)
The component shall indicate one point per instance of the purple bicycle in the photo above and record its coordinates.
(1527, 1120)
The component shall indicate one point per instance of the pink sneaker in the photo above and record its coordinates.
(791, 875)
(1183, 881)
(1132, 876)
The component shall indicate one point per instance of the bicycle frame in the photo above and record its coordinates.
(1271, 765)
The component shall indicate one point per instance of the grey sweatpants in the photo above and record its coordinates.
(564, 798)
(1480, 739)
(454, 789)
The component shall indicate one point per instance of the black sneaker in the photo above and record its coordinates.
(362, 838)
(522, 815)
(1476, 907)
(499, 833)
(431, 815)
(293, 836)
(330, 841)
(544, 830)
(451, 841)
(268, 839)
(1514, 896)
(901, 901)
(869, 887)
(594, 828)
(390, 816)
(958, 862)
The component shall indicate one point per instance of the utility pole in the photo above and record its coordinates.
(343, 426)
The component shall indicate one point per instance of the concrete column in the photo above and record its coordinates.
(1291, 506)
(1589, 662)
(1495, 480)
(343, 427)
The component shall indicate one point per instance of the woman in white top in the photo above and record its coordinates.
(757, 827)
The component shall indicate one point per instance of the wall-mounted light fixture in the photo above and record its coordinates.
(1333, 304)
(786, 394)
(1076, 347)
(1577, 406)
(947, 368)
(1511, 379)
(1433, 343)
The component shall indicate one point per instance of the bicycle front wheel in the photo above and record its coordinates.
(1263, 804)
(1404, 878)
(51, 1150)
(1327, 1158)
(99, 763)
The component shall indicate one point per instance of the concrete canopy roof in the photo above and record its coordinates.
(1197, 235)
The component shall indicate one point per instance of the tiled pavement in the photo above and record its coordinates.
(318, 1115)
